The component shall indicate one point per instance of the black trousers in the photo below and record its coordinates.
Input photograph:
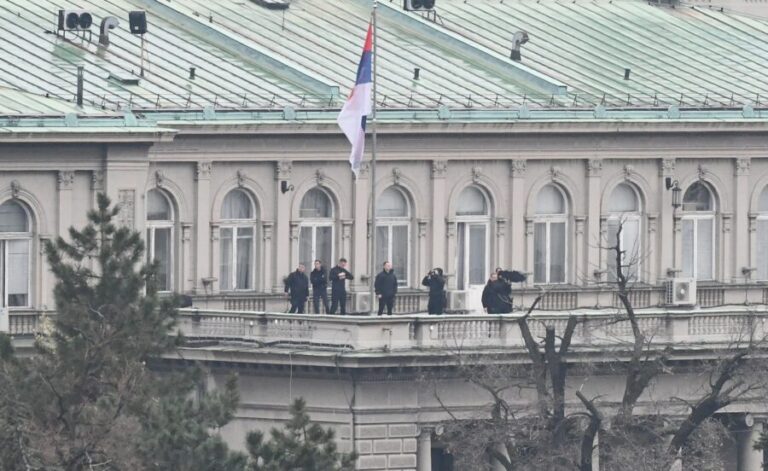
(389, 302)
(297, 305)
(338, 300)
(317, 295)
(436, 304)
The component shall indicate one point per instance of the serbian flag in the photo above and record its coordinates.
(358, 106)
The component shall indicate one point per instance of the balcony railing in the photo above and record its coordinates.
(598, 328)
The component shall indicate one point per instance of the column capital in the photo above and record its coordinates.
(741, 166)
(594, 167)
(97, 180)
(667, 167)
(65, 179)
(439, 168)
(517, 168)
(203, 170)
(283, 169)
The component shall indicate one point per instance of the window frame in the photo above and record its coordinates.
(390, 222)
(548, 220)
(621, 217)
(695, 216)
(29, 237)
(318, 222)
(151, 226)
(235, 225)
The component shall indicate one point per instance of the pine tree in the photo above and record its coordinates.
(86, 398)
(303, 446)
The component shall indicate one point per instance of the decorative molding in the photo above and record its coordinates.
(727, 219)
(241, 177)
(346, 228)
(295, 227)
(365, 170)
(369, 232)
(283, 169)
(320, 176)
(653, 223)
(752, 222)
(65, 178)
(97, 180)
(396, 175)
(529, 226)
(580, 223)
(203, 171)
(159, 178)
(127, 201)
(667, 167)
(517, 168)
(555, 172)
(422, 228)
(742, 166)
(594, 167)
(703, 172)
(266, 232)
(186, 232)
(215, 232)
(677, 223)
(439, 168)
(15, 188)
(629, 171)
(450, 228)
(477, 173)
(501, 227)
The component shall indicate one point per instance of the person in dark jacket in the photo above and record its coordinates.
(385, 287)
(297, 287)
(436, 282)
(487, 298)
(338, 276)
(319, 281)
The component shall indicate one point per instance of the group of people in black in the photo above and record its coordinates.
(496, 298)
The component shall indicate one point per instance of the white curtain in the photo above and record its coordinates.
(762, 249)
(225, 241)
(18, 273)
(244, 258)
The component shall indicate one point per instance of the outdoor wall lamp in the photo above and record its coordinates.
(285, 187)
(677, 193)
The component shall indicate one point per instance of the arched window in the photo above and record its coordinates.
(762, 235)
(15, 249)
(237, 241)
(160, 246)
(393, 228)
(698, 226)
(472, 231)
(316, 233)
(623, 211)
(549, 236)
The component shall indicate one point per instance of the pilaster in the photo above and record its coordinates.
(358, 259)
(203, 246)
(592, 240)
(741, 259)
(667, 253)
(281, 252)
(439, 255)
(65, 179)
(517, 170)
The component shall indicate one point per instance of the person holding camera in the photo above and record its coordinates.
(339, 276)
(436, 283)
(385, 287)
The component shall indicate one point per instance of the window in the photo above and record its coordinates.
(698, 227)
(15, 249)
(549, 236)
(762, 235)
(316, 232)
(624, 210)
(160, 222)
(237, 242)
(472, 231)
(393, 226)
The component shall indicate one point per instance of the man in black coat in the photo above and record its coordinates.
(338, 276)
(319, 281)
(297, 287)
(385, 287)
(436, 282)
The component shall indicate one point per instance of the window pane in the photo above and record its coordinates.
(225, 276)
(762, 204)
(237, 205)
(323, 245)
(305, 246)
(623, 199)
(550, 201)
(687, 248)
(382, 247)
(392, 203)
(609, 252)
(762, 249)
(557, 252)
(13, 218)
(697, 198)
(400, 253)
(244, 258)
(704, 249)
(540, 252)
(162, 254)
(461, 232)
(158, 207)
(18, 273)
(315, 204)
(477, 257)
(472, 203)
(631, 245)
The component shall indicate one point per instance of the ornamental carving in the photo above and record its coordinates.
(741, 166)
(283, 169)
(629, 171)
(555, 172)
(702, 172)
(517, 168)
(127, 202)
(422, 229)
(215, 233)
(752, 222)
(15, 188)
(240, 178)
(439, 168)
(346, 230)
(450, 229)
(652, 223)
(477, 172)
(727, 222)
(319, 176)
(66, 178)
(594, 167)
(97, 180)
(186, 233)
(295, 230)
(159, 179)
(667, 167)
(677, 224)
(396, 175)
(266, 232)
(501, 225)
(529, 227)
(203, 171)
(580, 220)
(365, 170)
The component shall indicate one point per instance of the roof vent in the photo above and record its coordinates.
(520, 38)
(272, 4)
(123, 78)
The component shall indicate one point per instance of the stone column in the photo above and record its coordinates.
(439, 214)
(214, 235)
(749, 458)
(579, 270)
(294, 260)
(66, 179)
(281, 252)
(726, 260)
(451, 265)
(266, 234)
(740, 220)
(529, 250)
(501, 229)
(358, 258)
(517, 214)
(592, 240)
(422, 266)
(651, 247)
(668, 227)
(347, 226)
(424, 452)
(203, 246)
(186, 276)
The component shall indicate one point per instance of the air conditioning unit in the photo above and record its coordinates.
(680, 292)
(419, 5)
(75, 20)
(457, 300)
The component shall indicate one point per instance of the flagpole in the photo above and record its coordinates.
(373, 160)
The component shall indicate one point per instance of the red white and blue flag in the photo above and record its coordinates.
(358, 106)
